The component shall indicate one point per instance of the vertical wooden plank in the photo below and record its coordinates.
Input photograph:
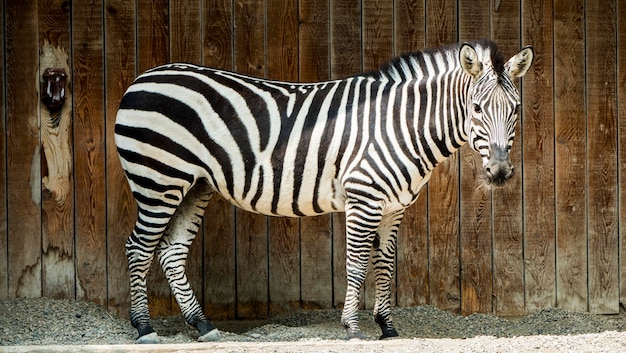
(89, 138)
(621, 101)
(57, 209)
(508, 265)
(4, 262)
(316, 236)
(284, 233)
(23, 150)
(570, 155)
(120, 71)
(476, 207)
(537, 122)
(185, 34)
(153, 50)
(601, 53)
(412, 259)
(345, 60)
(219, 227)
(443, 201)
(377, 49)
(252, 238)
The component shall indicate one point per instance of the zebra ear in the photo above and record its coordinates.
(469, 61)
(518, 65)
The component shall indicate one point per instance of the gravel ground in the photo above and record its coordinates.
(34, 322)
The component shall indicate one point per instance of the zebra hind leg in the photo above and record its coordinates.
(384, 260)
(172, 252)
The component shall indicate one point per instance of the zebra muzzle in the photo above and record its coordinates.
(499, 168)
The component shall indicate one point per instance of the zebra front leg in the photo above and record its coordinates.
(384, 264)
(361, 224)
(172, 253)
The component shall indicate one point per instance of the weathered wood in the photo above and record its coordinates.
(476, 207)
(377, 50)
(220, 294)
(120, 68)
(153, 50)
(508, 266)
(570, 156)
(621, 101)
(602, 213)
(316, 275)
(23, 150)
(89, 165)
(252, 237)
(443, 187)
(284, 233)
(345, 60)
(4, 262)
(412, 284)
(185, 34)
(537, 122)
(57, 209)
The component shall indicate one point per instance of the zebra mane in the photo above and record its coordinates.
(398, 66)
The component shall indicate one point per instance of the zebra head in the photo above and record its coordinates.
(493, 105)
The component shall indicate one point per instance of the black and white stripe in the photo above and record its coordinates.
(364, 145)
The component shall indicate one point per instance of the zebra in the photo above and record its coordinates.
(364, 145)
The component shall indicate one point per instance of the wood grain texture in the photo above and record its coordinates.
(185, 34)
(120, 68)
(412, 286)
(220, 295)
(153, 50)
(316, 274)
(570, 156)
(508, 266)
(443, 187)
(89, 138)
(284, 233)
(602, 214)
(377, 50)
(23, 150)
(621, 101)
(476, 206)
(4, 262)
(57, 209)
(251, 229)
(537, 122)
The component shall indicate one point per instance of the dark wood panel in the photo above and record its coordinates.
(602, 214)
(570, 156)
(476, 207)
(443, 187)
(251, 229)
(537, 122)
(316, 275)
(120, 68)
(23, 150)
(412, 260)
(220, 294)
(153, 50)
(284, 233)
(4, 263)
(621, 101)
(89, 165)
(508, 265)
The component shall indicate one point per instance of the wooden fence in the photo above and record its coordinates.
(553, 237)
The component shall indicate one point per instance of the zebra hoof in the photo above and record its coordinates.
(389, 333)
(354, 334)
(211, 336)
(151, 338)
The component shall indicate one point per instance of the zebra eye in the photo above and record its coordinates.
(477, 108)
